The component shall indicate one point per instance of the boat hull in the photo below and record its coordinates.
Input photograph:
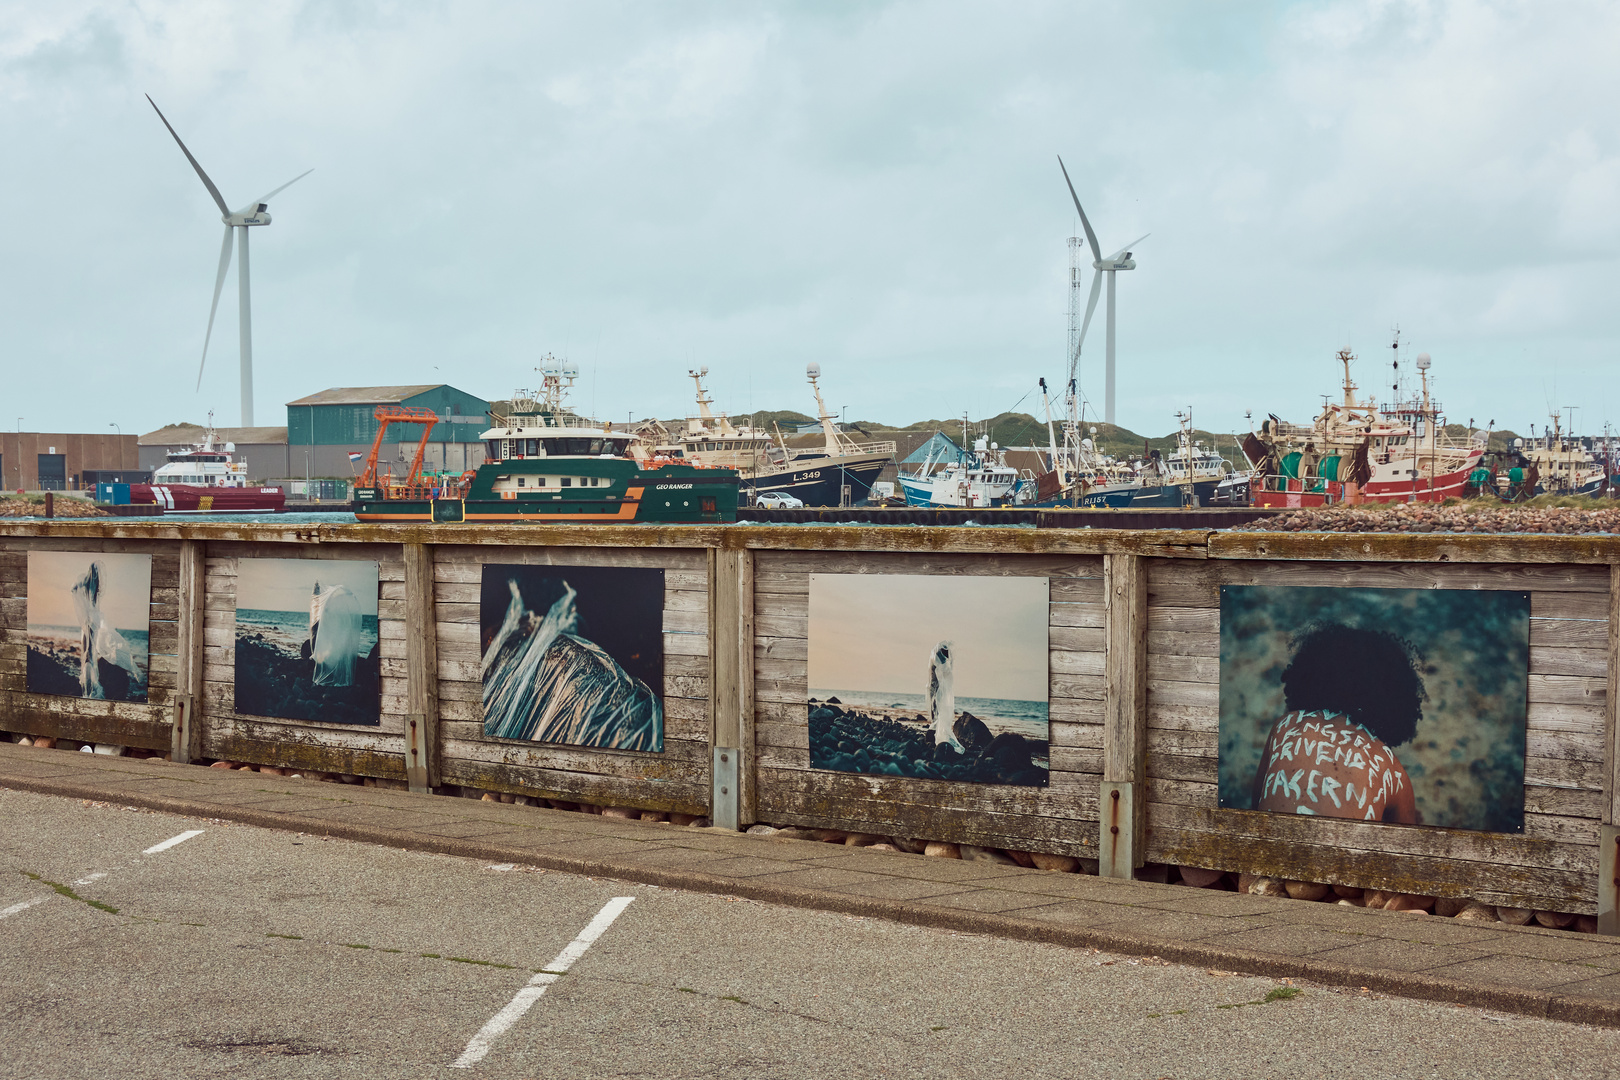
(820, 482)
(200, 499)
(1096, 498)
(682, 500)
(1426, 489)
(1197, 493)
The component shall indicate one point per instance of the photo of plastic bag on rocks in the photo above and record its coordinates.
(88, 624)
(1405, 706)
(307, 640)
(574, 654)
(930, 677)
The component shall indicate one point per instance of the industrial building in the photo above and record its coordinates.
(324, 428)
(59, 461)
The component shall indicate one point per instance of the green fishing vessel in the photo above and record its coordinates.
(544, 464)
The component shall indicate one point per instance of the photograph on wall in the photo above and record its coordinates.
(930, 677)
(306, 640)
(574, 655)
(1393, 705)
(89, 624)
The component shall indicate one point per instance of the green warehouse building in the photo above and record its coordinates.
(324, 429)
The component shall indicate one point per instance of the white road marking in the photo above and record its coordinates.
(172, 841)
(91, 878)
(6, 913)
(526, 997)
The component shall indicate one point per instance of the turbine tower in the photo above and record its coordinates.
(254, 213)
(1119, 260)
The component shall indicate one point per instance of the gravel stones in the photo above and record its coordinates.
(1438, 518)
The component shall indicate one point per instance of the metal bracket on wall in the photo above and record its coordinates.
(724, 803)
(416, 752)
(1608, 885)
(183, 743)
(1116, 841)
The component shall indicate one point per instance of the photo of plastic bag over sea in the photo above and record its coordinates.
(931, 677)
(307, 640)
(1405, 706)
(574, 654)
(89, 624)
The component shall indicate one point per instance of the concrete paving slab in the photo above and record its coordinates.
(1288, 940)
(898, 888)
(1176, 924)
(1516, 971)
(1391, 955)
(1075, 912)
(993, 901)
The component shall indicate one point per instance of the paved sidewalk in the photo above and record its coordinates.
(1537, 972)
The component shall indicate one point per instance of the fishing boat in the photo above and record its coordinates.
(1079, 474)
(979, 476)
(205, 478)
(1356, 452)
(544, 464)
(1563, 463)
(1187, 477)
(839, 472)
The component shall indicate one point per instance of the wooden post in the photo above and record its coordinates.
(186, 731)
(731, 686)
(1608, 885)
(1122, 796)
(421, 670)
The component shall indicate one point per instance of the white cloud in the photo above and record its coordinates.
(872, 187)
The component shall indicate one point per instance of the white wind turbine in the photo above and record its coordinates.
(1119, 260)
(254, 213)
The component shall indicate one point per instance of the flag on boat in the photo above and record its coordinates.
(354, 456)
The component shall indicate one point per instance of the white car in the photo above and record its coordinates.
(777, 500)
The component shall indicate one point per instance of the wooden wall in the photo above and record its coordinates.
(301, 744)
(1060, 818)
(676, 779)
(1553, 861)
(120, 722)
(1163, 742)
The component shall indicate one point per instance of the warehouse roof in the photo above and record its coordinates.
(186, 434)
(365, 395)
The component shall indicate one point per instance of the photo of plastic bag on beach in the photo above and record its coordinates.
(89, 624)
(307, 640)
(930, 677)
(1405, 706)
(574, 654)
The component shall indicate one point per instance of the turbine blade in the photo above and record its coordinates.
(219, 283)
(283, 187)
(207, 183)
(1091, 237)
(1116, 256)
(1091, 306)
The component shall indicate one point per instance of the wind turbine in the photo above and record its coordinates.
(254, 213)
(1119, 260)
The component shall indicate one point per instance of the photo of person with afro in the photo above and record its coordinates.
(1404, 706)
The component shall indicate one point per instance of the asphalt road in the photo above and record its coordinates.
(247, 952)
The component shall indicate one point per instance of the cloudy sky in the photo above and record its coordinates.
(647, 187)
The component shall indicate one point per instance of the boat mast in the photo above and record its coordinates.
(813, 371)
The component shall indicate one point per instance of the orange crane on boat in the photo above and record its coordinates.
(399, 414)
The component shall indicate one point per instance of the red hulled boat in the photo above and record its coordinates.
(204, 479)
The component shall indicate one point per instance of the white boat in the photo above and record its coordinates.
(977, 477)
